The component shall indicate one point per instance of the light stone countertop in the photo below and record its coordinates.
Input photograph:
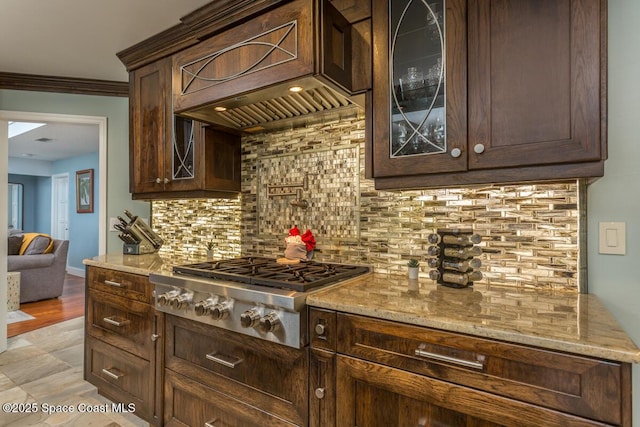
(570, 322)
(135, 264)
(564, 321)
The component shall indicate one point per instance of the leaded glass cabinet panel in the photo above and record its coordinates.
(417, 72)
(419, 87)
(183, 148)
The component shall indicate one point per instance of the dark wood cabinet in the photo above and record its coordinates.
(431, 377)
(123, 351)
(210, 373)
(523, 94)
(172, 156)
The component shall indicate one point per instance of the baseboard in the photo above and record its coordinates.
(74, 271)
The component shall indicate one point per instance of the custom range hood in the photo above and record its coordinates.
(291, 66)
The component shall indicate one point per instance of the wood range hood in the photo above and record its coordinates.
(242, 78)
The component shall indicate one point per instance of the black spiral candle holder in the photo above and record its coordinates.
(453, 257)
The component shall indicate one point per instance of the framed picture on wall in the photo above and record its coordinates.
(84, 191)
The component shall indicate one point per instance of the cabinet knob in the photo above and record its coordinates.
(154, 337)
(166, 180)
(479, 148)
(158, 181)
(319, 392)
(320, 329)
(456, 152)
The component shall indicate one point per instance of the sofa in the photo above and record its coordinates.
(41, 275)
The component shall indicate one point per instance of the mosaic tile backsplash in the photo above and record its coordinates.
(530, 232)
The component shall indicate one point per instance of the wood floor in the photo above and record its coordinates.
(48, 312)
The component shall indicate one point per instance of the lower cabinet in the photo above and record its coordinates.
(123, 351)
(190, 403)
(382, 373)
(212, 374)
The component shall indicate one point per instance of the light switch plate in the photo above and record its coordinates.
(612, 238)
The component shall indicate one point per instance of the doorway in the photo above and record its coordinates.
(60, 206)
(21, 116)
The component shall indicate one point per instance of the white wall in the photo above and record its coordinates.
(615, 279)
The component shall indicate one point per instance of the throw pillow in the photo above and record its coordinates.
(15, 242)
(36, 243)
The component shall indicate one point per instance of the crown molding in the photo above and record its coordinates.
(33, 82)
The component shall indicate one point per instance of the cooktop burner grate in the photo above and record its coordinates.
(267, 272)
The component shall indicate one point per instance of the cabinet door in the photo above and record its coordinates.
(221, 167)
(149, 116)
(419, 80)
(373, 395)
(185, 152)
(534, 82)
(322, 388)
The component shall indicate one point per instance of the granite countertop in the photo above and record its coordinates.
(570, 322)
(556, 320)
(135, 264)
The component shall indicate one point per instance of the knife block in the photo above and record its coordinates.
(140, 248)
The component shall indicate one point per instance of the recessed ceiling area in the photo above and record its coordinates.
(55, 141)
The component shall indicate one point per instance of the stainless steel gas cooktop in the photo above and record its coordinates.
(268, 272)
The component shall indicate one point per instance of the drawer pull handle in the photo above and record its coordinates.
(114, 322)
(442, 358)
(114, 284)
(115, 375)
(227, 361)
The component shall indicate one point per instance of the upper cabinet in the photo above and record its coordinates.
(172, 156)
(487, 91)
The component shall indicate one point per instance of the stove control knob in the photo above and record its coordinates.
(270, 322)
(249, 318)
(203, 308)
(165, 298)
(220, 311)
(180, 301)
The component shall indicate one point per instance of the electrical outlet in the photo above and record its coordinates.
(112, 222)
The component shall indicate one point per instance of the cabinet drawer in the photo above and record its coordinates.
(260, 373)
(120, 376)
(121, 322)
(189, 403)
(376, 395)
(322, 329)
(127, 285)
(579, 385)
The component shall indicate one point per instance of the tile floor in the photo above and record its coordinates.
(42, 369)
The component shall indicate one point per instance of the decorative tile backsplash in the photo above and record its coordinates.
(530, 231)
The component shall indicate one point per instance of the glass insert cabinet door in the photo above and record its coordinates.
(183, 148)
(419, 87)
(417, 72)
